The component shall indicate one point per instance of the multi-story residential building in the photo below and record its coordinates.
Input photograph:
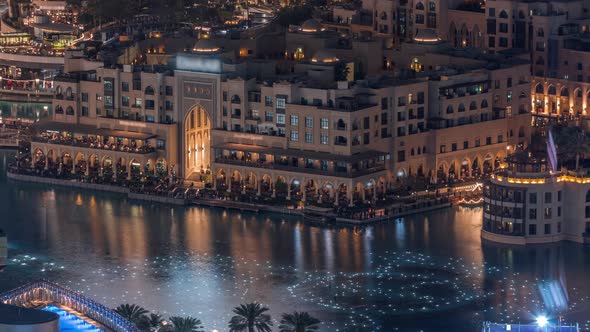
(525, 203)
(289, 127)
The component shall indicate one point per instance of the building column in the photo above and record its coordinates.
(129, 172)
(349, 194)
(46, 162)
(87, 168)
(114, 166)
(259, 184)
(334, 194)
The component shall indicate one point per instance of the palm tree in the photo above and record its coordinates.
(154, 321)
(298, 322)
(572, 144)
(132, 312)
(187, 324)
(250, 317)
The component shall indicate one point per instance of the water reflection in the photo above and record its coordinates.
(427, 272)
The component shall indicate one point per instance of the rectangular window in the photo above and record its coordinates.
(547, 229)
(281, 119)
(488, 140)
(454, 147)
(401, 156)
(125, 86)
(294, 119)
(324, 124)
(324, 139)
(559, 196)
(533, 198)
(500, 138)
(169, 91)
(281, 103)
(548, 198)
(84, 96)
(84, 111)
(477, 142)
(161, 144)
(559, 227)
(98, 112)
(547, 213)
(443, 149)
(532, 229)
(308, 138)
(559, 211)
(138, 102)
(268, 116)
(532, 214)
(308, 122)
(268, 100)
(465, 144)
(294, 136)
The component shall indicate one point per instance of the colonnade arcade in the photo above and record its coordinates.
(553, 98)
(303, 187)
(459, 169)
(107, 163)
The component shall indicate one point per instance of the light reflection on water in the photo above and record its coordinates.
(425, 272)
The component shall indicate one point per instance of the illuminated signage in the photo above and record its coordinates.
(197, 90)
(203, 64)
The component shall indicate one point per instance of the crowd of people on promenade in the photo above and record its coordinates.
(92, 142)
(171, 186)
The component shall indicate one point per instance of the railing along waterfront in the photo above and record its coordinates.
(540, 178)
(50, 292)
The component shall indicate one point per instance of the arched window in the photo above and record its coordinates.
(521, 132)
(484, 103)
(503, 14)
(473, 106)
(450, 109)
(539, 89)
(69, 110)
(588, 196)
(424, 149)
(540, 32)
(412, 152)
(565, 92)
(551, 90)
(522, 95)
(383, 15)
(578, 93)
(521, 14)
(235, 99)
(149, 91)
(461, 107)
(419, 6)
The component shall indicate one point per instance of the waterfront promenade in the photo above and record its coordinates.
(173, 191)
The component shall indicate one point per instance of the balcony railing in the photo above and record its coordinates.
(298, 169)
(94, 145)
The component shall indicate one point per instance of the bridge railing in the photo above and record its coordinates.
(50, 292)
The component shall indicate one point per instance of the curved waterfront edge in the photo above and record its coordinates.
(215, 203)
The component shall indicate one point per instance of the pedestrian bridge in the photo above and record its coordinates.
(50, 293)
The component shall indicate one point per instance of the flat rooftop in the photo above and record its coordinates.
(13, 315)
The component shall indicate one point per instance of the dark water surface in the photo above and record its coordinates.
(430, 272)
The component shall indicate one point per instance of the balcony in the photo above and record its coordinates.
(145, 149)
(337, 172)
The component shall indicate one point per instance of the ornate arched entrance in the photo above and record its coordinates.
(197, 125)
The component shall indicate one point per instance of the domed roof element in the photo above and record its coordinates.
(205, 45)
(311, 26)
(426, 36)
(324, 56)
